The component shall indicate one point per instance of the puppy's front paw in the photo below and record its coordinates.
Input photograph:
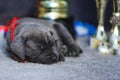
(73, 50)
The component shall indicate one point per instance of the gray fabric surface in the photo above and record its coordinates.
(89, 66)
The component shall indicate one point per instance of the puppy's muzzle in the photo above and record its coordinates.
(48, 59)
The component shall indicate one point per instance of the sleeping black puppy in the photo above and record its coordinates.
(41, 41)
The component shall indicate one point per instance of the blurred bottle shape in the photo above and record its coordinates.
(100, 33)
(115, 31)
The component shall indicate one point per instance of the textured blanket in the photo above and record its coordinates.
(91, 65)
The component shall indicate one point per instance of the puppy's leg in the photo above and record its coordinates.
(73, 48)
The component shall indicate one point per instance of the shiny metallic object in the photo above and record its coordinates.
(100, 33)
(115, 19)
(115, 31)
(115, 37)
(116, 12)
(53, 9)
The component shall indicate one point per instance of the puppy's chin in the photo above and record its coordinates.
(49, 59)
(46, 60)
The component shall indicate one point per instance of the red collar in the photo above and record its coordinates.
(13, 25)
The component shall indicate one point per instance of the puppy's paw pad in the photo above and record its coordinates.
(71, 54)
(73, 51)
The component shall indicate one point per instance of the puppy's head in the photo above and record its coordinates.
(39, 47)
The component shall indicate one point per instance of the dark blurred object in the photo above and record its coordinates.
(84, 10)
(18, 8)
(108, 15)
(57, 10)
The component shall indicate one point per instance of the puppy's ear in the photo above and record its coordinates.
(17, 46)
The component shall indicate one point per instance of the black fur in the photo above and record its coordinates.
(41, 41)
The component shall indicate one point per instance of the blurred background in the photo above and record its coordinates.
(83, 11)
